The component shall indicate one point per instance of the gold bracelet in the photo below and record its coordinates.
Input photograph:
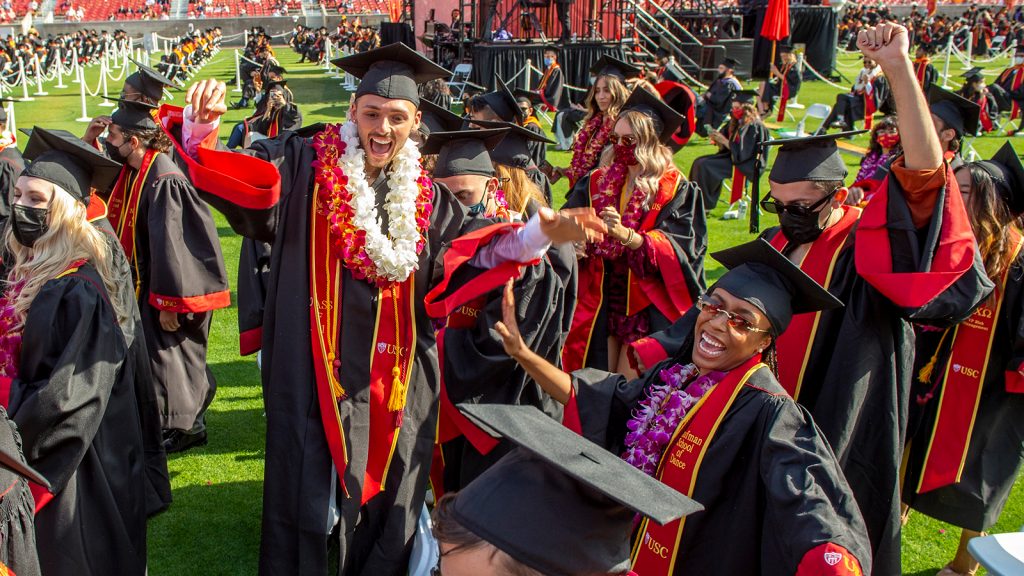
(629, 238)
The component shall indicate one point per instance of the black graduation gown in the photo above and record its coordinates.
(718, 100)
(300, 482)
(178, 266)
(11, 166)
(858, 375)
(253, 273)
(17, 509)
(684, 222)
(773, 89)
(997, 438)
(554, 87)
(771, 487)
(538, 150)
(74, 403)
(477, 370)
(710, 171)
(158, 483)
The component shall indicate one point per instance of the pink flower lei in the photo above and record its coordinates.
(348, 242)
(586, 151)
(657, 416)
(10, 334)
(609, 191)
(501, 212)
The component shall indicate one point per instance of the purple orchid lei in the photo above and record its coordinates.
(659, 414)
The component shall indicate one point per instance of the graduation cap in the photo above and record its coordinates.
(271, 84)
(812, 159)
(276, 69)
(394, 71)
(609, 66)
(148, 81)
(60, 157)
(463, 152)
(437, 119)
(730, 62)
(745, 96)
(559, 503)
(666, 120)
(134, 115)
(762, 276)
(1007, 175)
(504, 103)
(956, 112)
(513, 150)
(973, 74)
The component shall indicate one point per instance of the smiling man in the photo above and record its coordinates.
(909, 258)
(350, 374)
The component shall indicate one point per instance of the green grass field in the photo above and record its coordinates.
(213, 526)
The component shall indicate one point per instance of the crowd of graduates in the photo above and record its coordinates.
(188, 53)
(575, 396)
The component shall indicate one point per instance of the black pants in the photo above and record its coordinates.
(562, 9)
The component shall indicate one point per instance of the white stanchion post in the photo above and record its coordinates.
(60, 69)
(970, 49)
(24, 82)
(39, 78)
(238, 73)
(529, 72)
(12, 122)
(327, 55)
(945, 67)
(103, 84)
(81, 90)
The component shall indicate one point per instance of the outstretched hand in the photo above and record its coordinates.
(207, 100)
(508, 326)
(885, 44)
(572, 225)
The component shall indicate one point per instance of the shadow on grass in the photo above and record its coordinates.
(210, 529)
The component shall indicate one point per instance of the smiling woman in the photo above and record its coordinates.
(769, 479)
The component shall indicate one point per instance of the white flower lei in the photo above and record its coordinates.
(394, 254)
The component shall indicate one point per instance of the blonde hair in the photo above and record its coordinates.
(69, 237)
(653, 157)
(518, 188)
(619, 96)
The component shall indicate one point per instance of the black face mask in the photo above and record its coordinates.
(29, 224)
(114, 152)
(801, 228)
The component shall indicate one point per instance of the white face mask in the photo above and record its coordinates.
(1018, 59)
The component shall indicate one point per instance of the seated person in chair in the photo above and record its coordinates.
(737, 151)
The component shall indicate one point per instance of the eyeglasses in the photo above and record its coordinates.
(733, 319)
(623, 140)
(773, 206)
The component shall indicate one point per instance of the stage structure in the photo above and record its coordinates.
(498, 37)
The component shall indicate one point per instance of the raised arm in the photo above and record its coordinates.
(888, 45)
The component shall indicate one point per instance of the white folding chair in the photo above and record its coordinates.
(458, 82)
(819, 111)
(1000, 554)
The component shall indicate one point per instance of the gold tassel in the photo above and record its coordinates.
(925, 374)
(396, 403)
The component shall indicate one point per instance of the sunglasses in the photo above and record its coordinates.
(623, 140)
(773, 206)
(733, 319)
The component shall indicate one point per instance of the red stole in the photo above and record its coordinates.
(392, 353)
(794, 345)
(920, 70)
(963, 380)
(123, 208)
(549, 106)
(656, 547)
(984, 117)
(784, 95)
(954, 256)
(869, 109)
(738, 179)
(669, 292)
